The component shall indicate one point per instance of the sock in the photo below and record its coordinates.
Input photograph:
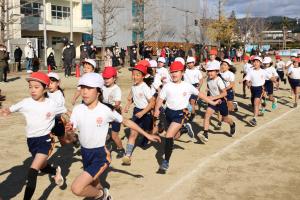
(49, 170)
(31, 183)
(168, 148)
(129, 149)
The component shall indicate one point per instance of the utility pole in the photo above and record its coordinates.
(71, 20)
(45, 33)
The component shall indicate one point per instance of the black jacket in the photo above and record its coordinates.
(18, 54)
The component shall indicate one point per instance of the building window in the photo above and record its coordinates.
(60, 12)
(87, 11)
(56, 40)
(31, 9)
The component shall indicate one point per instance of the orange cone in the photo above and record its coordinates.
(49, 69)
(77, 71)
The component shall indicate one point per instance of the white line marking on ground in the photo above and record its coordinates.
(208, 159)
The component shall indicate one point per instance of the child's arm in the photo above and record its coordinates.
(230, 86)
(221, 95)
(159, 103)
(75, 97)
(200, 83)
(202, 96)
(129, 102)
(150, 106)
(130, 124)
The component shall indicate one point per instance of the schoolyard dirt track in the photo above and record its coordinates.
(258, 163)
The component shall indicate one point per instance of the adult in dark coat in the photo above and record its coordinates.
(68, 58)
(18, 56)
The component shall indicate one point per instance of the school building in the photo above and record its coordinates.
(29, 16)
(155, 22)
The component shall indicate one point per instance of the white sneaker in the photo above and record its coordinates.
(59, 180)
(106, 196)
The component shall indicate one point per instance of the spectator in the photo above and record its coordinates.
(4, 56)
(18, 56)
(68, 58)
(29, 55)
(51, 61)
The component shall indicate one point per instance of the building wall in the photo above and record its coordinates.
(162, 22)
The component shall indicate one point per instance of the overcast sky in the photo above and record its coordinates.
(262, 8)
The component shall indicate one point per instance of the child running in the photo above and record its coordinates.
(39, 112)
(141, 96)
(280, 66)
(217, 91)
(56, 94)
(246, 68)
(89, 65)
(256, 80)
(176, 94)
(112, 96)
(193, 76)
(92, 119)
(294, 78)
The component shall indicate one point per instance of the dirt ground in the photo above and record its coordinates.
(258, 163)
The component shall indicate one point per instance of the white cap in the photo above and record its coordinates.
(267, 60)
(257, 58)
(161, 59)
(213, 65)
(190, 59)
(228, 61)
(180, 60)
(53, 75)
(90, 61)
(153, 63)
(294, 55)
(91, 80)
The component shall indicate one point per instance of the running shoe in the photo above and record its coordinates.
(274, 104)
(106, 195)
(203, 137)
(120, 153)
(295, 105)
(183, 130)
(235, 106)
(262, 112)
(253, 122)
(59, 180)
(219, 126)
(190, 132)
(126, 160)
(232, 129)
(164, 165)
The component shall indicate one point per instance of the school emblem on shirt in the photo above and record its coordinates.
(184, 94)
(99, 121)
(110, 97)
(141, 95)
(48, 115)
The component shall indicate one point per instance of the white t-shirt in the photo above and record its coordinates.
(215, 86)
(228, 77)
(272, 71)
(93, 124)
(294, 72)
(247, 67)
(177, 95)
(58, 97)
(164, 74)
(111, 94)
(39, 116)
(141, 95)
(257, 77)
(280, 66)
(192, 76)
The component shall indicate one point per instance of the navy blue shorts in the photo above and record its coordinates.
(178, 116)
(294, 83)
(145, 122)
(95, 160)
(43, 145)
(222, 108)
(256, 92)
(194, 97)
(230, 95)
(269, 87)
(115, 126)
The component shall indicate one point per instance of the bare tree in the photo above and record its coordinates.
(107, 10)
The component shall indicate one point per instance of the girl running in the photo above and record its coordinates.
(246, 68)
(141, 96)
(280, 66)
(112, 96)
(92, 119)
(193, 76)
(39, 112)
(176, 94)
(294, 76)
(217, 91)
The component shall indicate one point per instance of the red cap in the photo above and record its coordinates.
(213, 52)
(176, 66)
(145, 63)
(40, 77)
(109, 72)
(277, 57)
(252, 57)
(246, 57)
(141, 68)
